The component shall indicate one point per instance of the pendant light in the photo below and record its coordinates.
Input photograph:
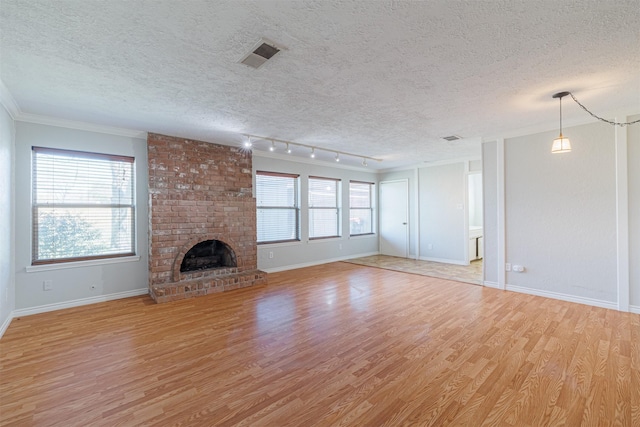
(561, 144)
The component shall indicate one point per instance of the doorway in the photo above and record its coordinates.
(475, 220)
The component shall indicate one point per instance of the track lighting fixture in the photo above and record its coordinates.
(338, 155)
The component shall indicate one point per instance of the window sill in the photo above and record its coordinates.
(80, 264)
(279, 244)
(324, 239)
(362, 236)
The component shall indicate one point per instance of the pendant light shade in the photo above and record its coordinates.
(561, 144)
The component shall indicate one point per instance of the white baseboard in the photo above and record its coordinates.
(564, 297)
(78, 302)
(318, 262)
(6, 324)
(443, 260)
(489, 284)
(634, 309)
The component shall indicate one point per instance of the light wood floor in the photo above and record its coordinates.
(331, 345)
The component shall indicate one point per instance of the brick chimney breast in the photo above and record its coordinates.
(199, 191)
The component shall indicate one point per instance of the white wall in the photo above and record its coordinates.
(442, 213)
(7, 238)
(561, 219)
(435, 194)
(297, 254)
(633, 144)
(561, 213)
(74, 282)
(475, 200)
(490, 213)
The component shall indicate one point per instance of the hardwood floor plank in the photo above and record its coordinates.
(332, 345)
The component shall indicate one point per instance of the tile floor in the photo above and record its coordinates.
(461, 273)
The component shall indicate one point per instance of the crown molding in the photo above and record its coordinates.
(72, 124)
(8, 101)
(427, 164)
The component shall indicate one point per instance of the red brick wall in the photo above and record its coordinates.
(197, 191)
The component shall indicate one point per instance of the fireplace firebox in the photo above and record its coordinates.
(207, 255)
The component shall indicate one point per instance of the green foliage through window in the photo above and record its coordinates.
(83, 205)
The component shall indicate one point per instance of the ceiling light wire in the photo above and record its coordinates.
(611, 122)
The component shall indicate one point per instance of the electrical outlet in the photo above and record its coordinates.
(507, 267)
(47, 285)
(271, 255)
(518, 268)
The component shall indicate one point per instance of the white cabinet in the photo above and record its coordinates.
(475, 243)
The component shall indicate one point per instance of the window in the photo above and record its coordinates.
(360, 208)
(324, 218)
(83, 206)
(277, 207)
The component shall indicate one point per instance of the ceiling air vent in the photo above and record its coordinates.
(451, 138)
(261, 53)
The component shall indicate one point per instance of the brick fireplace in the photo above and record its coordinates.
(202, 219)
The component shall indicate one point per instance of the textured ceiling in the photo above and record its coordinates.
(379, 78)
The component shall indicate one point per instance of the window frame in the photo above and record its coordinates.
(296, 207)
(36, 206)
(338, 183)
(370, 208)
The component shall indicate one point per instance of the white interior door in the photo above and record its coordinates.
(394, 218)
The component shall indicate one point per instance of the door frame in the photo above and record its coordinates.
(407, 234)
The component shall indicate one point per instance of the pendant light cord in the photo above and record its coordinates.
(560, 117)
(593, 115)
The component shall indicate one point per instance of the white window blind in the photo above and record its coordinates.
(360, 208)
(277, 207)
(324, 218)
(83, 206)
